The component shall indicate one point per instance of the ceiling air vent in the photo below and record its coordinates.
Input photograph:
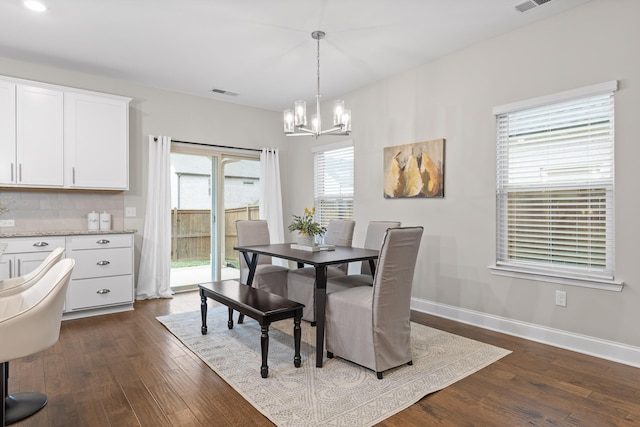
(529, 4)
(224, 92)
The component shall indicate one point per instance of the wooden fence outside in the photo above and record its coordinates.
(191, 232)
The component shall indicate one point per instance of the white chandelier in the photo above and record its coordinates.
(295, 121)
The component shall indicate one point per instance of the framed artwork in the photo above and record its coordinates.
(414, 170)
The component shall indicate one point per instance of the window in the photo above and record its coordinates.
(333, 182)
(554, 190)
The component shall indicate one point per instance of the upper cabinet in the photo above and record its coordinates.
(96, 135)
(7, 133)
(59, 137)
(39, 143)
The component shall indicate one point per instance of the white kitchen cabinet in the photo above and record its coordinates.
(39, 137)
(23, 255)
(96, 141)
(59, 137)
(7, 134)
(102, 279)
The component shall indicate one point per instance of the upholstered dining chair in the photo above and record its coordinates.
(300, 282)
(369, 325)
(17, 284)
(30, 321)
(269, 277)
(373, 240)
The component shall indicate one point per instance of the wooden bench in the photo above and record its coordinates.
(262, 306)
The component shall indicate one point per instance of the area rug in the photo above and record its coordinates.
(338, 394)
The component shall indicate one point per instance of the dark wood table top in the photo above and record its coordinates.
(339, 255)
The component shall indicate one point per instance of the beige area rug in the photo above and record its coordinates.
(338, 394)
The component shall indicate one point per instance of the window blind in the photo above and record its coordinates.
(333, 183)
(555, 205)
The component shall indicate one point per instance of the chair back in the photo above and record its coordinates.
(253, 232)
(30, 320)
(18, 284)
(340, 232)
(393, 281)
(373, 240)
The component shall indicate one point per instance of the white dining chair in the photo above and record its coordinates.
(268, 277)
(301, 281)
(369, 325)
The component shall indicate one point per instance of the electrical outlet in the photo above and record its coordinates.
(561, 298)
(7, 223)
(130, 212)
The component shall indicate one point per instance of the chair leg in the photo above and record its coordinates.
(410, 362)
(379, 374)
(16, 407)
(329, 355)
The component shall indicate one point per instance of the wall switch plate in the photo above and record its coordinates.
(130, 212)
(7, 223)
(561, 298)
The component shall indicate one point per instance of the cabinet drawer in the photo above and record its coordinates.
(102, 263)
(89, 293)
(100, 241)
(33, 244)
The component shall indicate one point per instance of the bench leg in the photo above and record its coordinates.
(297, 360)
(203, 312)
(230, 322)
(264, 344)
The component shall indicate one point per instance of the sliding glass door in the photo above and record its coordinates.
(210, 190)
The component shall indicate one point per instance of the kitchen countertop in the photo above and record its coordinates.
(63, 233)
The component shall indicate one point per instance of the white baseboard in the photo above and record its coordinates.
(609, 350)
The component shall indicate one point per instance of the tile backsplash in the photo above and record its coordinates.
(42, 210)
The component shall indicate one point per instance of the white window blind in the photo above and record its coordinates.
(333, 182)
(555, 204)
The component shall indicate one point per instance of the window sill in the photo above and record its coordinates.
(604, 284)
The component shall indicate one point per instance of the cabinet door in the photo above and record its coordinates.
(6, 266)
(96, 141)
(39, 130)
(7, 133)
(26, 263)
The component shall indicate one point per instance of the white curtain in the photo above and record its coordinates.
(155, 258)
(271, 195)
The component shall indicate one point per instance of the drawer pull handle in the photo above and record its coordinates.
(40, 244)
(103, 291)
(102, 242)
(103, 263)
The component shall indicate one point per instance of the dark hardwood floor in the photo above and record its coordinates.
(126, 369)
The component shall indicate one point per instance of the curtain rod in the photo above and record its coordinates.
(213, 145)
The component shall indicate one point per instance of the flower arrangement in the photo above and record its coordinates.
(305, 223)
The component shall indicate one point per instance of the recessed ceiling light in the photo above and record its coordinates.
(36, 6)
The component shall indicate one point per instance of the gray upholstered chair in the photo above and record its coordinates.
(301, 282)
(373, 240)
(268, 277)
(30, 321)
(369, 325)
(17, 284)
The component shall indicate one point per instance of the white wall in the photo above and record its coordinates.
(452, 98)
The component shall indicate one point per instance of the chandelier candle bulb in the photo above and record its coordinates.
(288, 121)
(338, 112)
(301, 113)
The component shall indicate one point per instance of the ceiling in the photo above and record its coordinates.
(261, 50)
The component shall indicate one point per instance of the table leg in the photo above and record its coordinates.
(372, 266)
(321, 297)
(203, 312)
(297, 334)
(252, 264)
(230, 321)
(264, 345)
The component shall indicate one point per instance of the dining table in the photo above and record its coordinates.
(320, 260)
